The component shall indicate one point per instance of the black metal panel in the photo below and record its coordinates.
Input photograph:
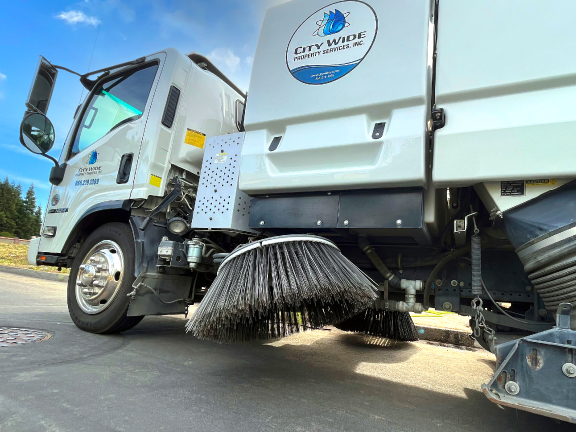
(171, 105)
(295, 211)
(169, 288)
(382, 208)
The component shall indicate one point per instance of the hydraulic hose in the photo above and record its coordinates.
(451, 256)
(380, 266)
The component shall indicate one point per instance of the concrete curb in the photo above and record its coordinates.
(448, 336)
(57, 277)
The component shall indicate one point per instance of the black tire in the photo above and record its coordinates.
(114, 318)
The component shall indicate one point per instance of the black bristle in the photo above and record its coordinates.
(382, 323)
(279, 289)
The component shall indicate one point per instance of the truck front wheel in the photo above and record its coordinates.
(100, 280)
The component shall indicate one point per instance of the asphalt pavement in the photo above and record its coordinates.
(156, 377)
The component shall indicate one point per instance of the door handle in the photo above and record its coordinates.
(125, 167)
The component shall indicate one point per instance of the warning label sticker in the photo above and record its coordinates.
(541, 182)
(195, 138)
(512, 188)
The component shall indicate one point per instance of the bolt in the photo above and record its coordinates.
(82, 267)
(454, 283)
(569, 370)
(461, 284)
(261, 223)
(319, 223)
(86, 291)
(447, 306)
(346, 223)
(512, 388)
(100, 267)
(528, 288)
(438, 282)
(79, 283)
(543, 312)
(399, 223)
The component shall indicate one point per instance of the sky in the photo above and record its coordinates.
(92, 34)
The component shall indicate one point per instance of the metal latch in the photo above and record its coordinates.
(438, 118)
(460, 229)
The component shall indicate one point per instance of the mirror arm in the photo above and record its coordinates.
(52, 159)
(66, 69)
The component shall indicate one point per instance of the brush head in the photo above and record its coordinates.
(382, 323)
(280, 286)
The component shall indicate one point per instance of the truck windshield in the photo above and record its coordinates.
(113, 103)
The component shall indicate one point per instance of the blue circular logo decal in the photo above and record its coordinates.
(332, 42)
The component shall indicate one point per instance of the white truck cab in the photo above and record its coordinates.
(138, 136)
(131, 132)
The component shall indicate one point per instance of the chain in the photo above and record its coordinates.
(480, 327)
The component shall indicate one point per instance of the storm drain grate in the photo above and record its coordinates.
(10, 336)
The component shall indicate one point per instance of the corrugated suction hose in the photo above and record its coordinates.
(550, 261)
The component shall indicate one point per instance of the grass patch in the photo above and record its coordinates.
(15, 255)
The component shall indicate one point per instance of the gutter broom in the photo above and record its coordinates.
(381, 322)
(279, 286)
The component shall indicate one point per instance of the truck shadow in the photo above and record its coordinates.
(391, 385)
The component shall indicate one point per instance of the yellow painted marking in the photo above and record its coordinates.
(155, 180)
(195, 138)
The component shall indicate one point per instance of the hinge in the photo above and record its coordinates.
(438, 118)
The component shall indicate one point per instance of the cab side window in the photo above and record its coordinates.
(114, 102)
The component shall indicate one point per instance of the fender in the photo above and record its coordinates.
(120, 213)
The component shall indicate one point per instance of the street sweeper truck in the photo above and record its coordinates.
(391, 156)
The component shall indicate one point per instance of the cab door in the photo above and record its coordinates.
(102, 148)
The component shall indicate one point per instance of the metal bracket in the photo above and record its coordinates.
(461, 228)
(563, 316)
(535, 373)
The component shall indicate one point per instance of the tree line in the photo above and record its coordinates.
(19, 215)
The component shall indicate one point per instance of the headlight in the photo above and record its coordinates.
(49, 231)
(178, 226)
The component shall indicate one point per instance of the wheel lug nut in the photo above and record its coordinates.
(82, 267)
(79, 283)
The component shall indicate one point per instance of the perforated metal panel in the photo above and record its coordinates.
(220, 204)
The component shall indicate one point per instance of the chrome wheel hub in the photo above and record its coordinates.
(99, 277)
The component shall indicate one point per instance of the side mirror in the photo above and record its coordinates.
(37, 133)
(42, 86)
